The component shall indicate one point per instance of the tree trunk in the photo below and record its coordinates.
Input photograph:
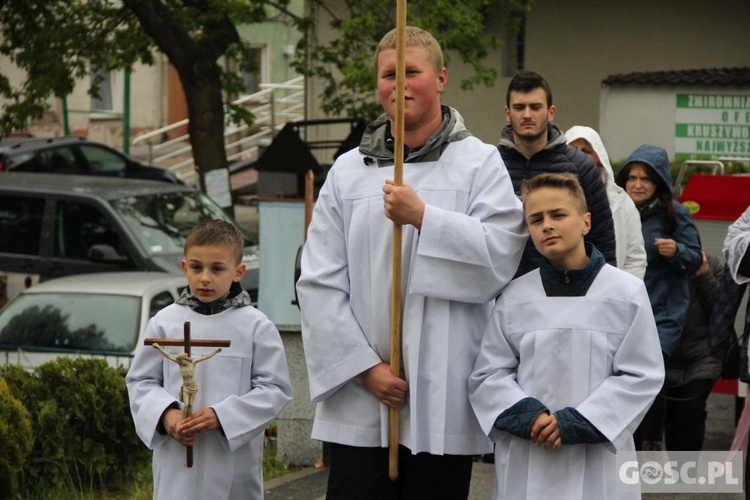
(197, 66)
(202, 87)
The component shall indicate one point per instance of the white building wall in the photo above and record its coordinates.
(635, 115)
(147, 105)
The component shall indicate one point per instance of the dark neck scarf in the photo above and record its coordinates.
(237, 298)
(571, 282)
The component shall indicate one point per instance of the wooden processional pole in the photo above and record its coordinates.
(398, 179)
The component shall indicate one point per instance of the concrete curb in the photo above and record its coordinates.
(288, 478)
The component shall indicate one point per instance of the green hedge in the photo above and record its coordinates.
(16, 439)
(84, 438)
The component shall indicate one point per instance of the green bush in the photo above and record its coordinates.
(84, 435)
(16, 439)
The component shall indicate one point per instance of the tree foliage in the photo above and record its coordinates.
(346, 61)
(57, 42)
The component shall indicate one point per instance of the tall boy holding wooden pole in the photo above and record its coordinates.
(462, 239)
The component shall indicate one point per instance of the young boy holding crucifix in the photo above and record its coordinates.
(242, 388)
(462, 239)
(570, 361)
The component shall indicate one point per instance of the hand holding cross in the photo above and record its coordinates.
(187, 368)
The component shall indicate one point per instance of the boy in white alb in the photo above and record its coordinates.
(240, 390)
(570, 362)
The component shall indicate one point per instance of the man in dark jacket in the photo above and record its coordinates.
(531, 145)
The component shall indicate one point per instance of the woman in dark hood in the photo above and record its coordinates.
(673, 253)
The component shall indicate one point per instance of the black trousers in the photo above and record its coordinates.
(685, 422)
(362, 474)
(678, 415)
(652, 425)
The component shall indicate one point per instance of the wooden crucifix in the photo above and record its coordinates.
(187, 368)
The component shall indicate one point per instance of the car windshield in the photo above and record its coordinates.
(163, 221)
(72, 321)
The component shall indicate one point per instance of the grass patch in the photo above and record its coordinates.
(142, 485)
(273, 466)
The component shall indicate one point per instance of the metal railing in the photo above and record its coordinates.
(715, 165)
(273, 106)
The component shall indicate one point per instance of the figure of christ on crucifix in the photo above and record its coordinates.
(187, 369)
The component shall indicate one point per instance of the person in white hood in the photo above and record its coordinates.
(630, 251)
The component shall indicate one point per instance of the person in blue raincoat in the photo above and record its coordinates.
(673, 251)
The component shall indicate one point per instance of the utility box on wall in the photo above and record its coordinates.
(282, 232)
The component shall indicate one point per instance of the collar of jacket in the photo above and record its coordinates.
(646, 206)
(237, 297)
(571, 282)
(555, 138)
(377, 141)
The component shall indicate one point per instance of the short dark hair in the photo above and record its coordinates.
(216, 232)
(566, 181)
(526, 81)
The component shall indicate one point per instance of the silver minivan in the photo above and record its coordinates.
(57, 225)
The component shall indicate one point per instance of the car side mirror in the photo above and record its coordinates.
(106, 254)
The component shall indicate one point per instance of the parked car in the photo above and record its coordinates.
(57, 225)
(74, 155)
(89, 315)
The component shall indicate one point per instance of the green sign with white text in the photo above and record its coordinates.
(712, 125)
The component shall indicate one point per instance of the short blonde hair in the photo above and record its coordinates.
(413, 37)
(566, 181)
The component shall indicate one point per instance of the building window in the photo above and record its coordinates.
(252, 79)
(110, 91)
(514, 43)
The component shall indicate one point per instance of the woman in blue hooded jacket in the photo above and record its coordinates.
(673, 251)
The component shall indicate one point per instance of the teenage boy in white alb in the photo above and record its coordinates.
(570, 362)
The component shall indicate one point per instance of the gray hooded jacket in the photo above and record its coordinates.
(378, 144)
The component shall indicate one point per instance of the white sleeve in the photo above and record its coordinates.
(245, 416)
(635, 253)
(619, 404)
(324, 297)
(492, 385)
(735, 245)
(471, 256)
(148, 397)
